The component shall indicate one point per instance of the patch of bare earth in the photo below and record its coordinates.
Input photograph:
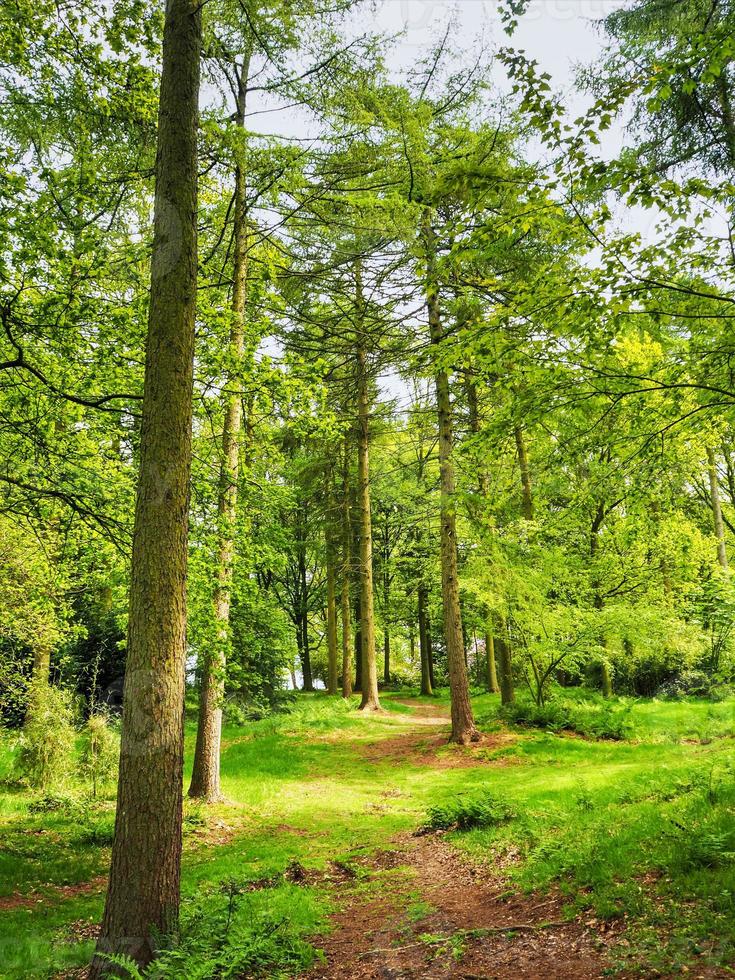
(467, 927)
(52, 892)
(418, 746)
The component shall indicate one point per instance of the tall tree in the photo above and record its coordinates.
(144, 889)
(463, 722)
(205, 777)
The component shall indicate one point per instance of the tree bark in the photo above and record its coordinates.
(331, 619)
(386, 630)
(426, 682)
(205, 777)
(714, 492)
(308, 680)
(505, 665)
(527, 499)
(369, 685)
(346, 580)
(492, 672)
(463, 724)
(41, 665)
(357, 687)
(144, 890)
(599, 600)
(430, 651)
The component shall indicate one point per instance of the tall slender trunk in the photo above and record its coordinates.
(714, 493)
(205, 777)
(426, 681)
(505, 663)
(357, 686)
(369, 685)
(463, 724)
(386, 629)
(527, 499)
(308, 679)
(144, 890)
(331, 618)
(492, 672)
(346, 578)
(599, 601)
(430, 652)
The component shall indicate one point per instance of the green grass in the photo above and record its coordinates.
(642, 828)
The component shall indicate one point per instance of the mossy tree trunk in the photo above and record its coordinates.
(491, 667)
(386, 627)
(144, 889)
(426, 684)
(526, 491)
(716, 504)
(504, 664)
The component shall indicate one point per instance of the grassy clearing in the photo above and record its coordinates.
(623, 827)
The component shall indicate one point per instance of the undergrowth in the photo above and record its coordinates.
(232, 931)
(467, 812)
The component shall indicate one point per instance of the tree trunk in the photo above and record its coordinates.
(599, 601)
(386, 630)
(357, 686)
(463, 724)
(305, 654)
(205, 777)
(505, 666)
(369, 685)
(41, 665)
(714, 492)
(346, 580)
(527, 500)
(143, 896)
(430, 652)
(427, 687)
(331, 621)
(606, 680)
(492, 673)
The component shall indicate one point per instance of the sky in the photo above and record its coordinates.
(558, 33)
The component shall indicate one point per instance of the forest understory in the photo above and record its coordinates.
(337, 852)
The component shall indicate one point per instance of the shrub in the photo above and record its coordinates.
(466, 813)
(594, 718)
(51, 803)
(47, 741)
(239, 709)
(553, 716)
(100, 752)
(687, 684)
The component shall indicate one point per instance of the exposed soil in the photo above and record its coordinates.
(439, 917)
(52, 892)
(422, 748)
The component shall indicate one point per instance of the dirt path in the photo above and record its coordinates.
(423, 912)
(429, 914)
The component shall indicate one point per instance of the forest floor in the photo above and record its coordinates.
(608, 858)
